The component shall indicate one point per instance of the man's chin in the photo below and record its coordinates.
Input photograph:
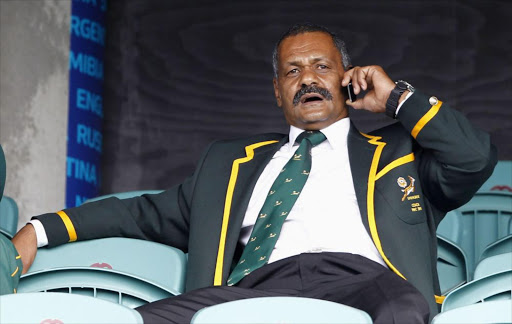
(318, 122)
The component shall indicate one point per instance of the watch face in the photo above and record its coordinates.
(402, 85)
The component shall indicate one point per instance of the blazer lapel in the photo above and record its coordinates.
(249, 173)
(361, 154)
(244, 180)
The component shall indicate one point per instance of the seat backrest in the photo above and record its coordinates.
(451, 265)
(501, 178)
(106, 284)
(8, 216)
(280, 310)
(493, 287)
(484, 220)
(503, 245)
(124, 195)
(63, 308)
(499, 311)
(493, 264)
(160, 264)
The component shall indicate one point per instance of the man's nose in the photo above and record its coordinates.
(308, 77)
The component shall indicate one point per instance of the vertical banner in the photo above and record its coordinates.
(84, 141)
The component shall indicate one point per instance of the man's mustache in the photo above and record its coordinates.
(311, 89)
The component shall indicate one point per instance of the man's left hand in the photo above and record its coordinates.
(375, 81)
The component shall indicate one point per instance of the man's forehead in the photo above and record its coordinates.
(317, 45)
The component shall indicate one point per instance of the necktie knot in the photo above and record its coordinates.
(314, 137)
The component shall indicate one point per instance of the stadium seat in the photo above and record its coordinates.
(8, 216)
(484, 220)
(161, 264)
(497, 286)
(499, 311)
(63, 308)
(493, 264)
(451, 265)
(503, 245)
(124, 195)
(100, 283)
(501, 178)
(280, 310)
(159, 268)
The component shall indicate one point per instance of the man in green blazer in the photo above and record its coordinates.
(363, 230)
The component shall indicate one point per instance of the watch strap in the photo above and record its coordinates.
(392, 103)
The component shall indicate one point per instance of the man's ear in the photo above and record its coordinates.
(277, 94)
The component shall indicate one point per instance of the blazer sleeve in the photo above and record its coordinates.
(454, 158)
(160, 217)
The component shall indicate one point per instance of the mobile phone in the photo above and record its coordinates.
(349, 92)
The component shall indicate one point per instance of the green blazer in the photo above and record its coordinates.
(433, 146)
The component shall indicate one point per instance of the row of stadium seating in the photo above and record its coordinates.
(474, 265)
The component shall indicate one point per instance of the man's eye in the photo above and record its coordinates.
(293, 71)
(322, 66)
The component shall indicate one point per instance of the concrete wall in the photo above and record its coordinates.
(34, 50)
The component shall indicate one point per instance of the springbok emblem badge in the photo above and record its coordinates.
(407, 189)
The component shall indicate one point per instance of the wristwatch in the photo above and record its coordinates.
(394, 96)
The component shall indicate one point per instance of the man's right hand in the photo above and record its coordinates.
(25, 241)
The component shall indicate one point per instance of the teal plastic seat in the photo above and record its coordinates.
(499, 247)
(451, 265)
(494, 287)
(484, 220)
(280, 310)
(105, 284)
(125, 195)
(8, 216)
(489, 312)
(63, 308)
(493, 264)
(161, 264)
(501, 178)
(136, 264)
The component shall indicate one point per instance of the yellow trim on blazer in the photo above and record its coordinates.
(425, 119)
(69, 225)
(372, 178)
(439, 299)
(249, 151)
(15, 271)
(398, 162)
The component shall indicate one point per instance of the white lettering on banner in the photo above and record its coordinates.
(89, 101)
(86, 64)
(81, 170)
(89, 137)
(88, 29)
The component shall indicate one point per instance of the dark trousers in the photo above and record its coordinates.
(339, 277)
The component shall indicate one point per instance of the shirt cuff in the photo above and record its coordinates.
(42, 239)
(401, 104)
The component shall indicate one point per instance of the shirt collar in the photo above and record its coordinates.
(336, 134)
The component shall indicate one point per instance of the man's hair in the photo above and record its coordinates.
(310, 28)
